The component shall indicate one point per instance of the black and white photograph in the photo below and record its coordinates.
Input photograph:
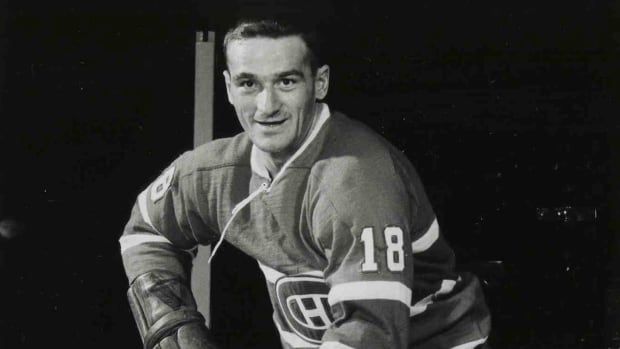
(310, 174)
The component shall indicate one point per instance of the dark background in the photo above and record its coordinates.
(507, 109)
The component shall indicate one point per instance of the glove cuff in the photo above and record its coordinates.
(161, 303)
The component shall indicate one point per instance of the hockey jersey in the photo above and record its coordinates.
(346, 238)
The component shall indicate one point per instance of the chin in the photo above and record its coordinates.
(270, 147)
(274, 149)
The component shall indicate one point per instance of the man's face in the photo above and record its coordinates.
(273, 90)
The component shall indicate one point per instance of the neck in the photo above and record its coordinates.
(274, 162)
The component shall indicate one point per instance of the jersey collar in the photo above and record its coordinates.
(257, 162)
(258, 166)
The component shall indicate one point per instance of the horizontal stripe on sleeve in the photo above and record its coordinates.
(427, 240)
(446, 287)
(146, 257)
(144, 209)
(471, 345)
(129, 241)
(368, 290)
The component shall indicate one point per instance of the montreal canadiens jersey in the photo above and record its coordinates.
(346, 238)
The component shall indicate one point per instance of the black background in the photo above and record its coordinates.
(507, 109)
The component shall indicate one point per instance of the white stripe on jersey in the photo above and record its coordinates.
(129, 241)
(143, 209)
(446, 287)
(366, 290)
(471, 345)
(334, 345)
(316, 273)
(273, 275)
(293, 340)
(427, 240)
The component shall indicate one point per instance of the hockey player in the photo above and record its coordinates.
(335, 216)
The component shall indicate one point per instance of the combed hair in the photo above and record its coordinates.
(274, 29)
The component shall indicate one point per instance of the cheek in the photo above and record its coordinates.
(245, 108)
(298, 103)
(244, 118)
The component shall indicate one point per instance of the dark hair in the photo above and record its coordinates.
(269, 28)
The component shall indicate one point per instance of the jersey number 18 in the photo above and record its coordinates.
(395, 254)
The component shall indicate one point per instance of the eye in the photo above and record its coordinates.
(247, 84)
(287, 83)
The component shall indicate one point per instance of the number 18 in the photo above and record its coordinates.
(395, 254)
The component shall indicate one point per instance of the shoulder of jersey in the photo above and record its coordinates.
(353, 151)
(224, 152)
(356, 161)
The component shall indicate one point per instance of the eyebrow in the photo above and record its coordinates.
(241, 76)
(295, 72)
(285, 73)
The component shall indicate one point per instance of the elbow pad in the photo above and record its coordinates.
(166, 313)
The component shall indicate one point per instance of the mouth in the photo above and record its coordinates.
(271, 123)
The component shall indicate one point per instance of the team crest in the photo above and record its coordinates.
(303, 301)
(161, 184)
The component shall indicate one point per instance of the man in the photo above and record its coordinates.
(336, 217)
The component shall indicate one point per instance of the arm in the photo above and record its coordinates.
(154, 248)
(370, 287)
(368, 219)
(365, 234)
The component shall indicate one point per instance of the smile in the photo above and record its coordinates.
(271, 123)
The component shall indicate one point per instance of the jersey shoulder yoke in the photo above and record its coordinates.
(216, 154)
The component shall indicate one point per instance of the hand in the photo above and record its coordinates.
(190, 336)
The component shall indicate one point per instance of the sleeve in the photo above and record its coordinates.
(165, 225)
(364, 225)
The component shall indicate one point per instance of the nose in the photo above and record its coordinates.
(267, 102)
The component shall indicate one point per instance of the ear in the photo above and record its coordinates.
(321, 82)
(227, 82)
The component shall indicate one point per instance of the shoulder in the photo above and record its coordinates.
(352, 144)
(355, 155)
(356, 172)
(217, 154)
